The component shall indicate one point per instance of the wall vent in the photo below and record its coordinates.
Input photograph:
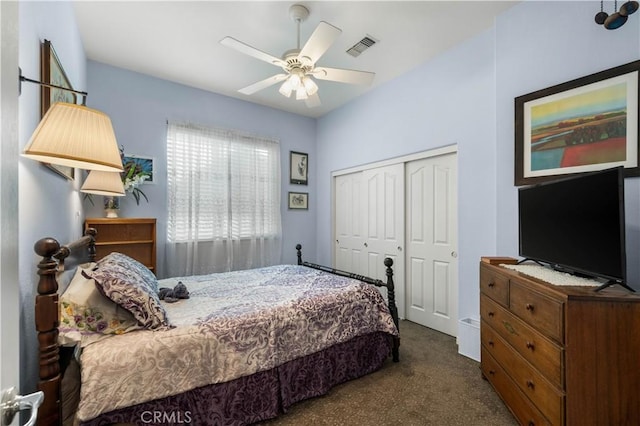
(361, 46)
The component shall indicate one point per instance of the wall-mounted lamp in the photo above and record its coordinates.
(103, 183)
(616, 19)
(74, 136)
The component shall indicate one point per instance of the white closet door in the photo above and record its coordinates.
(432, 235)
(384, 225)
(349, 201)
(369, 224)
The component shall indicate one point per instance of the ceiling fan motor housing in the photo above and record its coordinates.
(293, 61)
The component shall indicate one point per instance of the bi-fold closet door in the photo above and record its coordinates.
(406, 211)
(369, 224)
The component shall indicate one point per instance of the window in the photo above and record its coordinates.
(221, 185)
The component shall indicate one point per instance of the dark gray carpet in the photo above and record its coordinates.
(431, 385)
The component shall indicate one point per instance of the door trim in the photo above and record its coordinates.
(403, 159)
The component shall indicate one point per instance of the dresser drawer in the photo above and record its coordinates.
(520, 406)
(142, 252)
(544, 395)
(539, 311)
(134, 237)
(545, 355)
(494, 285)
(119, 230)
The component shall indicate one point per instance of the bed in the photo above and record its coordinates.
(240, 348)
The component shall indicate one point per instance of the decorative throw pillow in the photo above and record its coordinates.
(86, 315)
(132, 286)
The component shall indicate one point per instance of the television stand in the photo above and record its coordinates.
(612, 282)
(559, 355)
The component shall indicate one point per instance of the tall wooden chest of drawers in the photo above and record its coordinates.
(135, 237)
(560, 355)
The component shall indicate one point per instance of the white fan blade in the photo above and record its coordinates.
(255, 87)
(313, 101)
(251, 51)
(323, 36)
(344, 76)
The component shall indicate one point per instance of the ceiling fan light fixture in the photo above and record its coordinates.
(295, 80)
(286, 89)
(301, 94)
(310, 86)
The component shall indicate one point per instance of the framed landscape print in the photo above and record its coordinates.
(51, 72)
(299, 168)
(298, 201)
(586, 124)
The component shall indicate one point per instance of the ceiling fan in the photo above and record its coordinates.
(299, 65)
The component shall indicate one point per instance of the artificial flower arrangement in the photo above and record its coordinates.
(133, 175)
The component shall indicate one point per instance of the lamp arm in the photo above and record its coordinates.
(53, 86)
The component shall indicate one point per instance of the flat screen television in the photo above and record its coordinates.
(576, 224)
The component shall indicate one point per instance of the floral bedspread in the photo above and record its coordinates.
(234, 324)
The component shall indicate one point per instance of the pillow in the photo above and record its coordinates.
(86, 315)
(132, 286)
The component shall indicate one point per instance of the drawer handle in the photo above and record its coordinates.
(530, 346)
(492, 372)
(509, 327)
(529, 307)
(491, 343)
(491, 313)
(532, 423)
(530, 384)
(492, 284)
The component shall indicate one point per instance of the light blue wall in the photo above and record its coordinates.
(49, 205)
(450, 100)
(539, 45)
(466, 97)
(139, 107)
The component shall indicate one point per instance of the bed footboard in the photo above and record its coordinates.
(389, 284)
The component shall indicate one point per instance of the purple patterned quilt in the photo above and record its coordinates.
(234, 325)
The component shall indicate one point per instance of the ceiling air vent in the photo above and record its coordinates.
(361, 46)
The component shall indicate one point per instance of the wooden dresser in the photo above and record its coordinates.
(135, 237)
(560, 355)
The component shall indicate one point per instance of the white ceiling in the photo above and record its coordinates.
(179, 40)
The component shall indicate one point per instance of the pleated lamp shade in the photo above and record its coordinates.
(75, 136)
(103, 183)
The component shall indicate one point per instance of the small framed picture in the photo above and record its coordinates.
(51, 72)
(299, 168)
(298, 200)
(141, 166)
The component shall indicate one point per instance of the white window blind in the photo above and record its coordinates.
(221, 184)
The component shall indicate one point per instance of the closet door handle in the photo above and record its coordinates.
(366, 245)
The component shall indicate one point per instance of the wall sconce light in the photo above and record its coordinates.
(616, 19)
(103, 183)
(74, 136)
